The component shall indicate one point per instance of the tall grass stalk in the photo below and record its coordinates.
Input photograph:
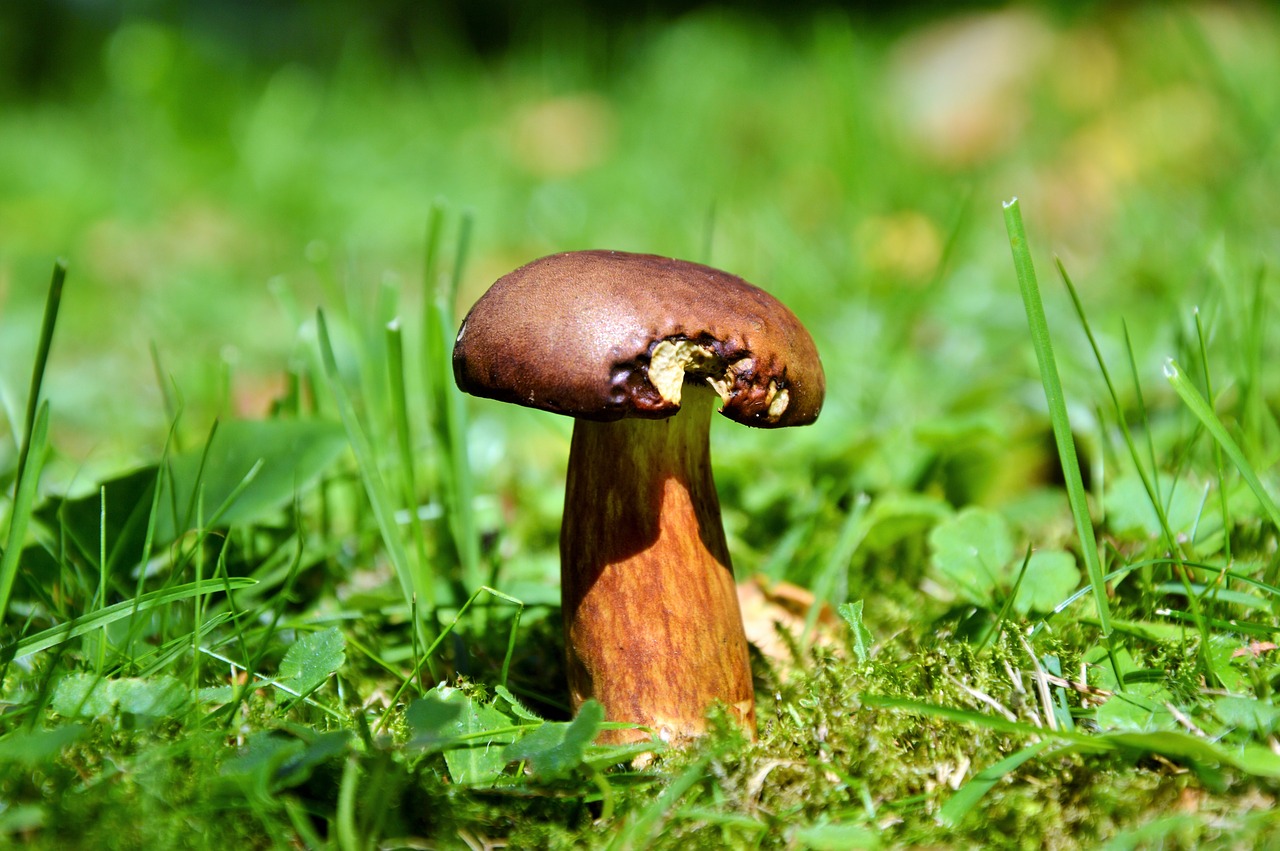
(1224, 503)
(1150, 478)
(1043, 344)
(404, 442)
(53, 302)
(414, 584)
(445, 413)
(23, 504)
(1204, 413)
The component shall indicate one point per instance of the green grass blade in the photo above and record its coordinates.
(404, 439)
(1223, 502)
(958, 716)
(52, 303)
(412, 584)
(23, 504)
(967, 796)
(852, 533)
(425, 659)
(1150, 479)
(636, 834)
(168, 394)
(1043, 343)
(1193, 400)
(456, 422)
(446, 414)
(79, 626)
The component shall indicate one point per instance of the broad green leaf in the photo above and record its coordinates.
(479, 762)
(127, 499)
(287, 454)
(311, 660)
(862, 639)
(263, 754)
(217, 694)
(90, 696)
(38, 747)
(1258, 760)
(317, 749)
(1248, 713)
(1051, 577)
(1221, 653)
(896, 516)
(250, 470)
(970, 552)
(1129, 508)
(558, 747)
(273, 760)
(431, 719)
(471, 733)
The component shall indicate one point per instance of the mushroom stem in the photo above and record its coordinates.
(652, 625)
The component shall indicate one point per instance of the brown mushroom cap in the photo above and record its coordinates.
(576, 333)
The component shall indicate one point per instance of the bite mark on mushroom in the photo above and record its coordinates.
(671, 359)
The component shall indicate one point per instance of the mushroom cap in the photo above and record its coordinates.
(576, 333)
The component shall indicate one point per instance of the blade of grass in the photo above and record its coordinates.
(445, 413)
(425, 659)
(1043, 344)
(173, 403)
(647, 822)
(77, 627)
(404, 439)
(1217, 448)
(852, 533)
(23, 504)
(1193, 400)
(992, 632)
(53, 302)
(100, 598)
(1150, 480)
(462, 515)
(412, 583)
(967, 796)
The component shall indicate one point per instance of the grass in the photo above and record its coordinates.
(269, 580)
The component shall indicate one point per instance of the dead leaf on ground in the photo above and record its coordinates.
(767, 605)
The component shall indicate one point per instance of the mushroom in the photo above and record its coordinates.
(639, 349)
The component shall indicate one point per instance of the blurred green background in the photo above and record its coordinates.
(202, 164)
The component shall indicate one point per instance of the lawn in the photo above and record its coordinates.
(268, 579)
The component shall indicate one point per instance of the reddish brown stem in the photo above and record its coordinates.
(652, 626)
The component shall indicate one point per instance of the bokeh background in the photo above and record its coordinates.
(214, 171)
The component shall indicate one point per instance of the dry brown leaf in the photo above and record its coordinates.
(767, 604)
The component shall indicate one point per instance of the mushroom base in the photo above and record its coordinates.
(652, 625)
